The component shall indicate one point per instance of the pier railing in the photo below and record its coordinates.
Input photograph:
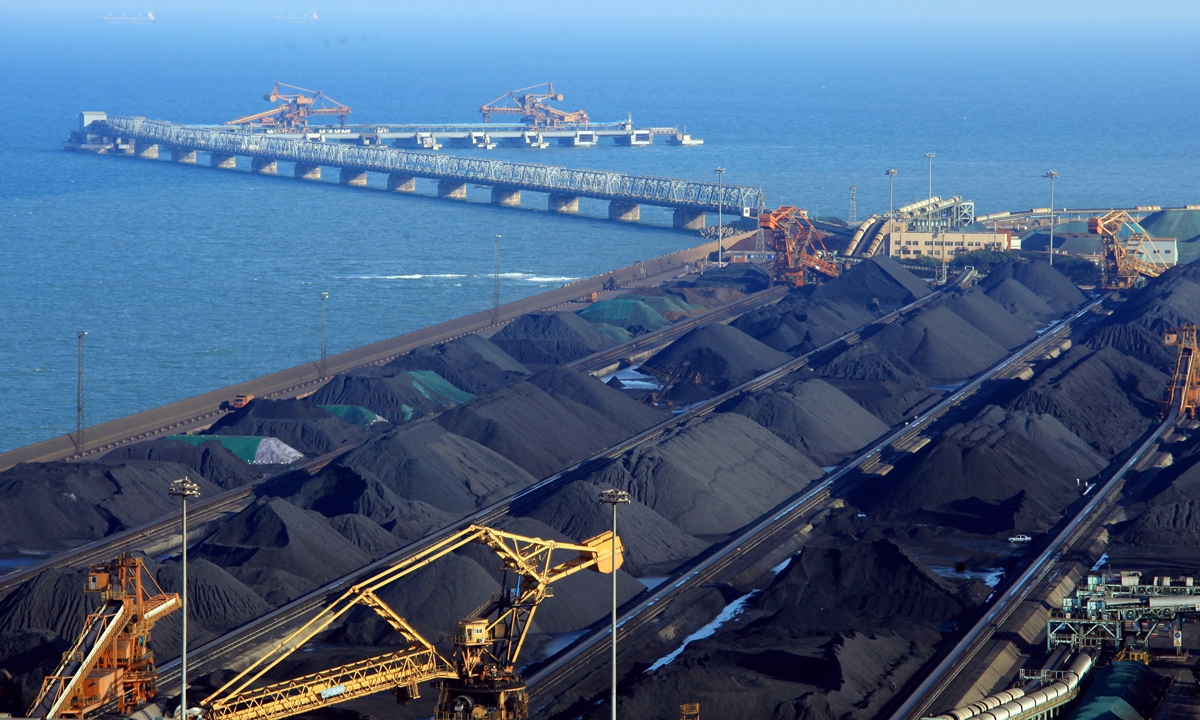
(599, 184)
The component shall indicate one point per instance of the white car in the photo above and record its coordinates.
(1018, 539)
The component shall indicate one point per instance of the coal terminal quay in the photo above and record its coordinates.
(917, 464)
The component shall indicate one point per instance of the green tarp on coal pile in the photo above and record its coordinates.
(1121, 691)
(251, 449)
(358, 414)
(633, 315)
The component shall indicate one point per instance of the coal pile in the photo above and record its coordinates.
(711, 476)
(1136, 327)
(743, 278)
(217, 602)
(798, 324)
(53, 601)
(650, 539)
(812, 416)
(28, 656)
(939, 344)
(1047, 283)
(878, 284)
(702, 296)
(874, 580)
(1020, 301)
(400, 397)
(1104, 397)
(470, 363)
(550, 338)
(634, 315)
(1051, 437)
(988, 317)
(545, 432)
(977, 478)
(56, 505)
(366, 534)
(280, 550)
(716, 357)
(420, 463)
(302, 425)
(209, 460)
(882, 383)
(1171, 517)
(832, 646)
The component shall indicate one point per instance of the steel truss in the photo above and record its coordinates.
(599, 184)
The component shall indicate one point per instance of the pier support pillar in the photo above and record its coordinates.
(452, 189)
(263, 166)
(147, 151)
(402, 183)
(506, 197)
(627, 211)
(685, 219)
(225, 162)
(306, 172)
(357, 178)
(568, 204)
(183, 156)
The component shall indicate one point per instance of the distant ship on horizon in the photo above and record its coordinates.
(295, 18)
(147, 18)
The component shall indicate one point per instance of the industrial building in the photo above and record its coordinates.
(943, 246)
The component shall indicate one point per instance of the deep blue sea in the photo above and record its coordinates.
(188, 279)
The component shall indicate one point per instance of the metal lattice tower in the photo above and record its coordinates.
(853, 204)
(324, 301)
(79, 335)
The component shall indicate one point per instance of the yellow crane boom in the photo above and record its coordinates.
(1122, 264)
(486, 648)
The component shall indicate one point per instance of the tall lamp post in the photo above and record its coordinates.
(1050, 249)
(720, 228)
(614, 498)
(929, 207)
(891, 175)
(184, 488)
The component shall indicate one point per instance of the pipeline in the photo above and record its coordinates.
(1014, 704)
(858, 235)
(918, 205)
(877, 238)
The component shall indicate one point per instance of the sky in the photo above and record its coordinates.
(635, 11)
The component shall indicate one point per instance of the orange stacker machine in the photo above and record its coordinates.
(798, 246)
(109, 662)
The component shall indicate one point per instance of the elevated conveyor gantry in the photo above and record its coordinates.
(109, 661)
(1184, 393)
(481, 682)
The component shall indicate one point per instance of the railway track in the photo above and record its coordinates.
(225, 650)
(214, 508)
(752, 545)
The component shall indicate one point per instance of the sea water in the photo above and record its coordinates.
(188, 278)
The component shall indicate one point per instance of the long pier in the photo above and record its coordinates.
(565, 186)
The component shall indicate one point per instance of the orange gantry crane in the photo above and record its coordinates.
(481, 682)
(530, 104)
(1184, 393)
(294, 108)
(109, 661)
(1122, 263)
(798, 246)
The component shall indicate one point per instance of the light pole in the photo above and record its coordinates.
(720, 229)
(324, 301)
(614, 498)
(1053, 176)
(891, 175)
(184, 488)
(929, 207)
(496, 283)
